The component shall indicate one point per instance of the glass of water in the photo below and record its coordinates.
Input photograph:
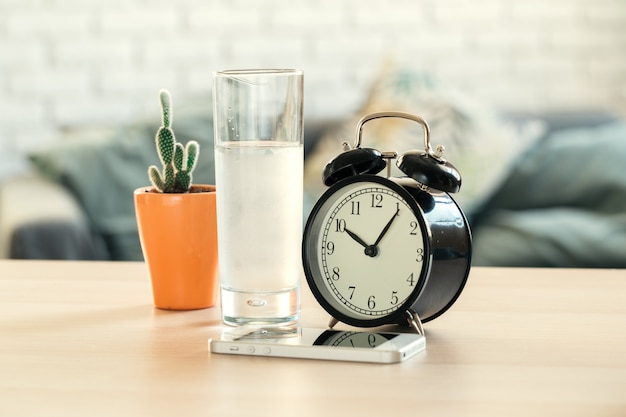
(259, 157)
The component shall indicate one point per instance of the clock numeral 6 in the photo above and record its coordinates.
(371, 302)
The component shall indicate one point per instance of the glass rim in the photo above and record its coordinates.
(260, 71)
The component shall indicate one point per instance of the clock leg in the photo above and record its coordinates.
(414, 321)
(332, 322)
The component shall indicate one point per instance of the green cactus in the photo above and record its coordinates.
(178, 161)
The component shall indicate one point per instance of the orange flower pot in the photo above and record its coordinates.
(178, 234)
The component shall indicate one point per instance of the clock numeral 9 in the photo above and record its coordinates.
(330, 248)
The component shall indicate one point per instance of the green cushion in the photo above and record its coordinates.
(103, 171)
(581, 167)
(564, 204)
(551, 237)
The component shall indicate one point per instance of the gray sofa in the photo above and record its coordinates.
(561, 204)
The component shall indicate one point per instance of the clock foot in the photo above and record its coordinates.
(332, 322)
(414, 321)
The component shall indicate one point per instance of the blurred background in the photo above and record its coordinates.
(79, 82)
(77, 62)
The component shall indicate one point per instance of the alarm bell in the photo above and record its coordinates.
(427, 167)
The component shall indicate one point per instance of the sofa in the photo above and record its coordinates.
(539, 189)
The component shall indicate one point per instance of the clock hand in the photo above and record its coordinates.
(370, 250)
(356, 238)
(387, 226)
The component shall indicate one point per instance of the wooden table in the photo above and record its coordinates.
(82, 339)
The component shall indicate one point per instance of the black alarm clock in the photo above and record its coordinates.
(387, 250)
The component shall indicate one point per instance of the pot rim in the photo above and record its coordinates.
(195, 189)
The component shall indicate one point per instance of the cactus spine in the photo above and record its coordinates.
(178, 161)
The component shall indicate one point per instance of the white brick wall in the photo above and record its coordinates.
(76, 62)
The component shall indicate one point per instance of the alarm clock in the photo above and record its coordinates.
(387, 250)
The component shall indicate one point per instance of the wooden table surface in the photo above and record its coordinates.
(83, 339)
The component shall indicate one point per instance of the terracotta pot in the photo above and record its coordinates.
(178, 234)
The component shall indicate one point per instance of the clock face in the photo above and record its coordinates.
(365, 250)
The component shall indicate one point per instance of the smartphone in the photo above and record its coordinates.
(307, 343)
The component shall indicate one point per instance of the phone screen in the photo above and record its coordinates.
(320, 344)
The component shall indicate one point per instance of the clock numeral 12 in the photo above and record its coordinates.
(377, 200)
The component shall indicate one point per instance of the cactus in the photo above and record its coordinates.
(178, 161)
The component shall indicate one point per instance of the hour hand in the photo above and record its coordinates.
(356, 238)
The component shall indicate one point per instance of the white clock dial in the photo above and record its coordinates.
(371, 250)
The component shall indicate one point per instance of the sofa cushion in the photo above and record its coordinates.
(562, 205)
(480, 143)
(102, 170)
(580, 167)
(40, 219)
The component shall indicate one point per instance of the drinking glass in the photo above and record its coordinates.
(259, 157)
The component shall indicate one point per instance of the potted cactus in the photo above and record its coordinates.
(177, 224)
(178, 161)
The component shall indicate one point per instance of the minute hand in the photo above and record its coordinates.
(387, 226)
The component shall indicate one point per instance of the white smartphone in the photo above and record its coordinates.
(307, 343)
